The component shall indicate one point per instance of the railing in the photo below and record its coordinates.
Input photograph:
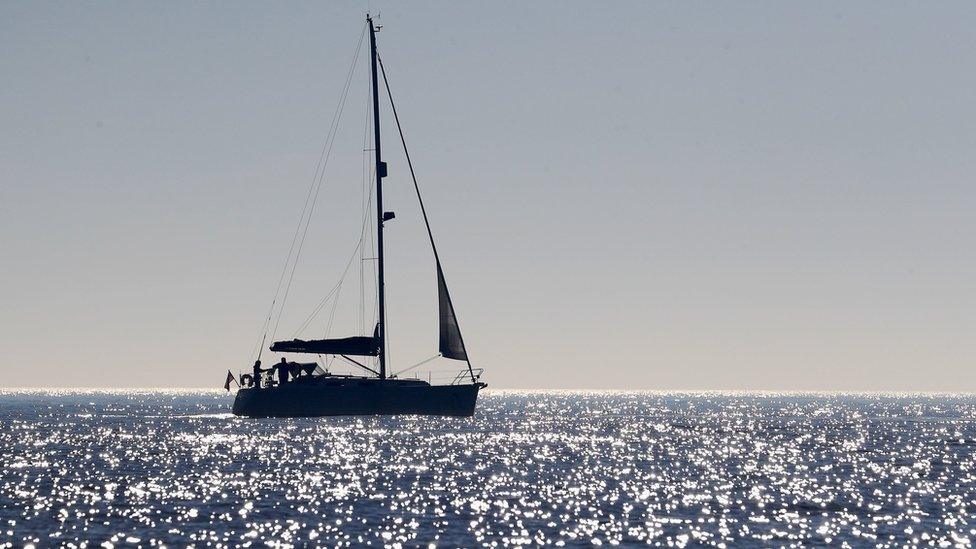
(445, 378)
(465, 375)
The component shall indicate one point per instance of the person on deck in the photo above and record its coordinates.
(282, 371)
(257, 373)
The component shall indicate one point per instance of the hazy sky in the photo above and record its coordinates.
(642, 195)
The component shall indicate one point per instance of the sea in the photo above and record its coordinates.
(151, 468)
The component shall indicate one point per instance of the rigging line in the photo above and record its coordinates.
(291, 248)
(359, 247)
(360, 364)
(317, 309)
(423, 211)
(264, 330)
(363, 183)
(318, 188)
(370, 234)
(336, 288)
(325, 299)
(421, 363)
(342, 277)
(335, 303)
(370, 240)
(321, 177)
(367, 235)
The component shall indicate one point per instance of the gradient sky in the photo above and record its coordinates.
(680, 195)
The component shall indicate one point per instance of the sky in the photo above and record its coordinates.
(642, 195)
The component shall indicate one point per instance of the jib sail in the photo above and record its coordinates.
(451, 345)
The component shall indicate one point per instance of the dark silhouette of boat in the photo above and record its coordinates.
(352, 395)
(306, 390)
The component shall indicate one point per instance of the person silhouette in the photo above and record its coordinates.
(257, 373)
(282, 371)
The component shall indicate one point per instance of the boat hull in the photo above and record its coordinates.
(311, 400)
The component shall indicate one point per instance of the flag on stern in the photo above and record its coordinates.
(230, 377)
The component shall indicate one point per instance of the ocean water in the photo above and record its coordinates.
(561, 468)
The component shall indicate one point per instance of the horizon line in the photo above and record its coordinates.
(723, 392)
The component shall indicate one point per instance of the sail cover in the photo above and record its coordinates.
(451, 345)
(358, 345)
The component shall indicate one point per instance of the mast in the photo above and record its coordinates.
(380, 216)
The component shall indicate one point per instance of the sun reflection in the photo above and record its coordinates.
(102, 468)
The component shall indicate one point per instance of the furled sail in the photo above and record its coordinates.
(358, 345)
(451, 345)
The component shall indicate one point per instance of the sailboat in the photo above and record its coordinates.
(321, 393)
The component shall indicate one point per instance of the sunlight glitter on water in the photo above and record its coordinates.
(564, 468)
